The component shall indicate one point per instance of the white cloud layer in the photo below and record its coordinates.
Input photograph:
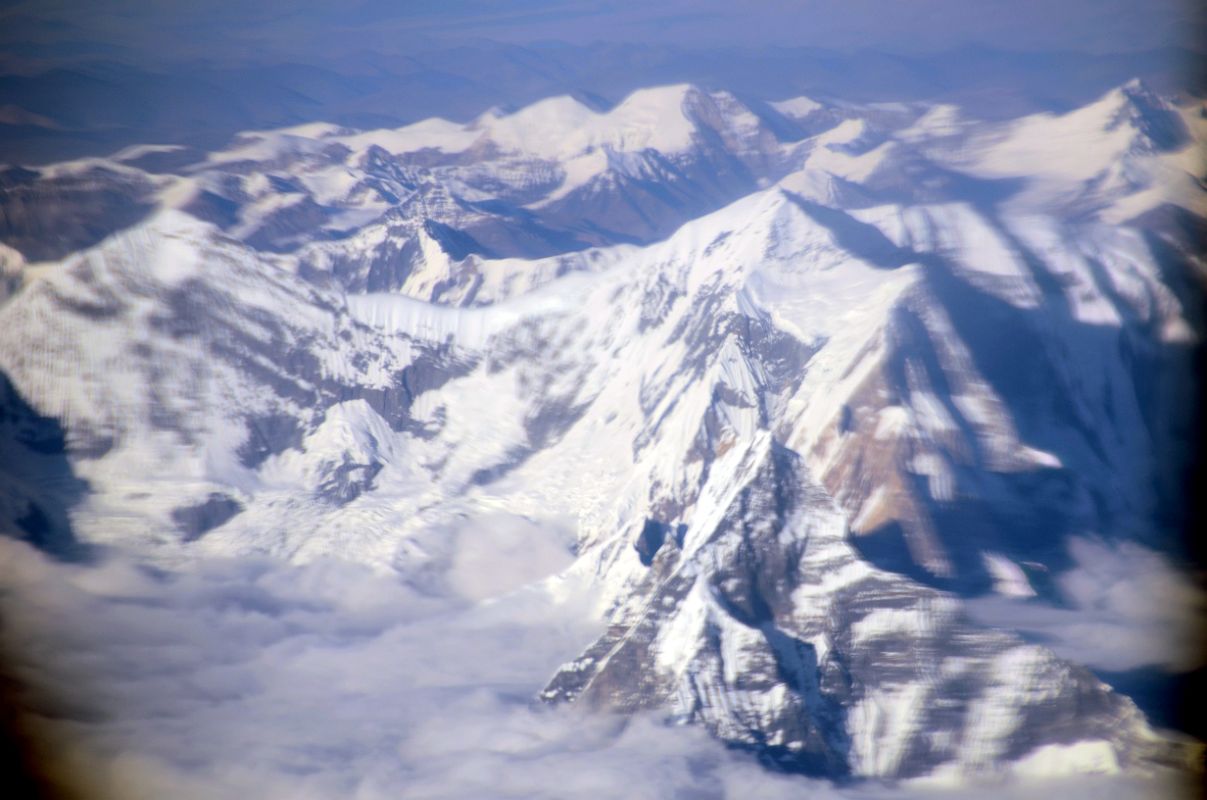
(1128, 607)
(235, 679)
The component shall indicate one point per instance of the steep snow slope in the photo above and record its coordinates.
(1095, 159)
(179, 362)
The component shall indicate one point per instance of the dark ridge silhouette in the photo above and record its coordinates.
(38, 486)
(47, 219)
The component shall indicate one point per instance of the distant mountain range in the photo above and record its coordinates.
(72, 98)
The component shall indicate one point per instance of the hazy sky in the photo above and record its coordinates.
(907, 25)
(308, 29)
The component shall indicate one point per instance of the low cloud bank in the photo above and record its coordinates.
(1128, 607)
(251, 678)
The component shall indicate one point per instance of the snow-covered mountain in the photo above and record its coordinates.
(801, 377)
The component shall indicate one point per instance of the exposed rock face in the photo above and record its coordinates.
(773, 633)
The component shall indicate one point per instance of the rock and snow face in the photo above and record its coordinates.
(875, 376)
